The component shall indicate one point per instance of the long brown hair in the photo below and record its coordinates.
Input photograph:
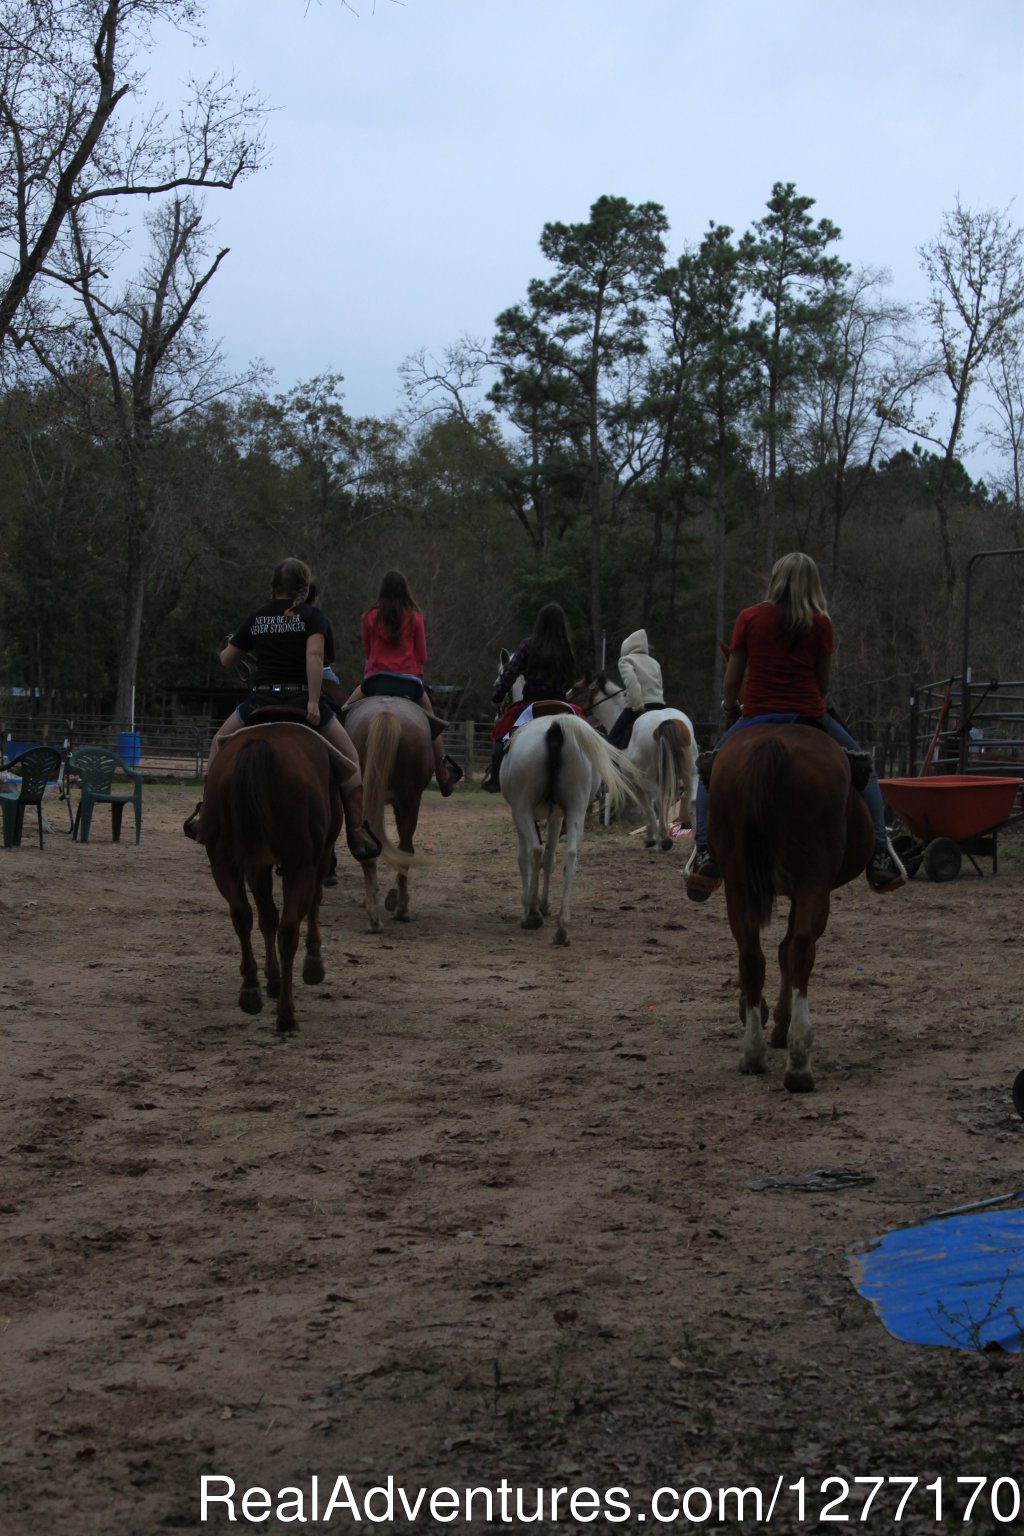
(795, 589)
(551, 649)
(394, 601)
(291, 580)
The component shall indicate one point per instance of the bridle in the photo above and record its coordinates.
(589, 691)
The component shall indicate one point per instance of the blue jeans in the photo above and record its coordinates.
(871, 792)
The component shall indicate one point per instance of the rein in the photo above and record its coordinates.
(591, 692)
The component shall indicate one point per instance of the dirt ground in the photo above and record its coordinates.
(489, 1213)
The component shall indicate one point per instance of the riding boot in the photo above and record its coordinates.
(489, 782)
(362, 844)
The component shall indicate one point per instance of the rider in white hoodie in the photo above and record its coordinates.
(642, 682)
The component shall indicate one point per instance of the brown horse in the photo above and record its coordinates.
(394, 738)
(783, 820)
(273, 797)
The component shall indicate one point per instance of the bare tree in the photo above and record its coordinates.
(69, 72)
(144, 362)
(976, 271)
(1004, 377)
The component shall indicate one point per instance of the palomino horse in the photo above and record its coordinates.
(783, 820)
(662, 749)
(551, 771)
(394, 738)
(273, 797)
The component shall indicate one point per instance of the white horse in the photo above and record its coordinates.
(662, 750)
(551, 772)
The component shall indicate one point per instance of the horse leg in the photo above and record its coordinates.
(782, 1012)
(529, 870)
(747, 934)
(232, 887)
(299, 890)
(651, 819)
(406, 817)
(551, 836)
(371, 894)
(313, 966)
(811, 910)
(263, 892)
(573, 837)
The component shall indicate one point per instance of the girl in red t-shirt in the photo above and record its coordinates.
(781, 656)
(395, 654)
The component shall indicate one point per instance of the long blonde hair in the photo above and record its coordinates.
(795, 589)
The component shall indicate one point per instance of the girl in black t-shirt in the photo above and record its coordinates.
(287, 638)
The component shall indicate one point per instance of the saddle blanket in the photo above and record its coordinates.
(521, 714)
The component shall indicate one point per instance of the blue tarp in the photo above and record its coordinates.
(955, 1280)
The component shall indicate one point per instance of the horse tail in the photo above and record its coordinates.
(674, 748)
(554, 737)
(251, 783)
(615, 768)
(383, 739)
(766, 765)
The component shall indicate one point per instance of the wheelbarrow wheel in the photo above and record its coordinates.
(942, 859)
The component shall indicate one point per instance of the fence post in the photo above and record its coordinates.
(470, 754)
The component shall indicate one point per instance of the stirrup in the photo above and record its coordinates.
(191, 825)
(705, 762)
(453, 775)
(861, 767)
(363, 844)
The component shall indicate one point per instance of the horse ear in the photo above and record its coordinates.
(504, 656)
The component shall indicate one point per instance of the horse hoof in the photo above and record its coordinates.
(798, 1082)
(652, 842)
(313, 971)
(402, 917)
(666, 845)
(273, 986)
(391, 901)
(250, 1000)
(561, 937)
(376, 926)
(533, 921)
(286, 1026)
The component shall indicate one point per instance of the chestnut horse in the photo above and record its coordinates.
(272, 797)
(393, 737)
(783, 820)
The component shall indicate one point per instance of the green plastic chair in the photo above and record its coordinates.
(37, 768)
(95, 767)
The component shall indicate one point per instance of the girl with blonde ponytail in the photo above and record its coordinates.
(780, 659)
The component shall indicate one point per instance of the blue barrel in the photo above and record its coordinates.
(129, 748)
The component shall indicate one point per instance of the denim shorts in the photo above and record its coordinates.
(394, 684)
(287, 697)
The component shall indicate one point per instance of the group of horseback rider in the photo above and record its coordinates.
(778, 669)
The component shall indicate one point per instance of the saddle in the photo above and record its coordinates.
(861, 764)
(342, 767)
(521, 714)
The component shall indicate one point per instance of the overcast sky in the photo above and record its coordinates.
(419, 147)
